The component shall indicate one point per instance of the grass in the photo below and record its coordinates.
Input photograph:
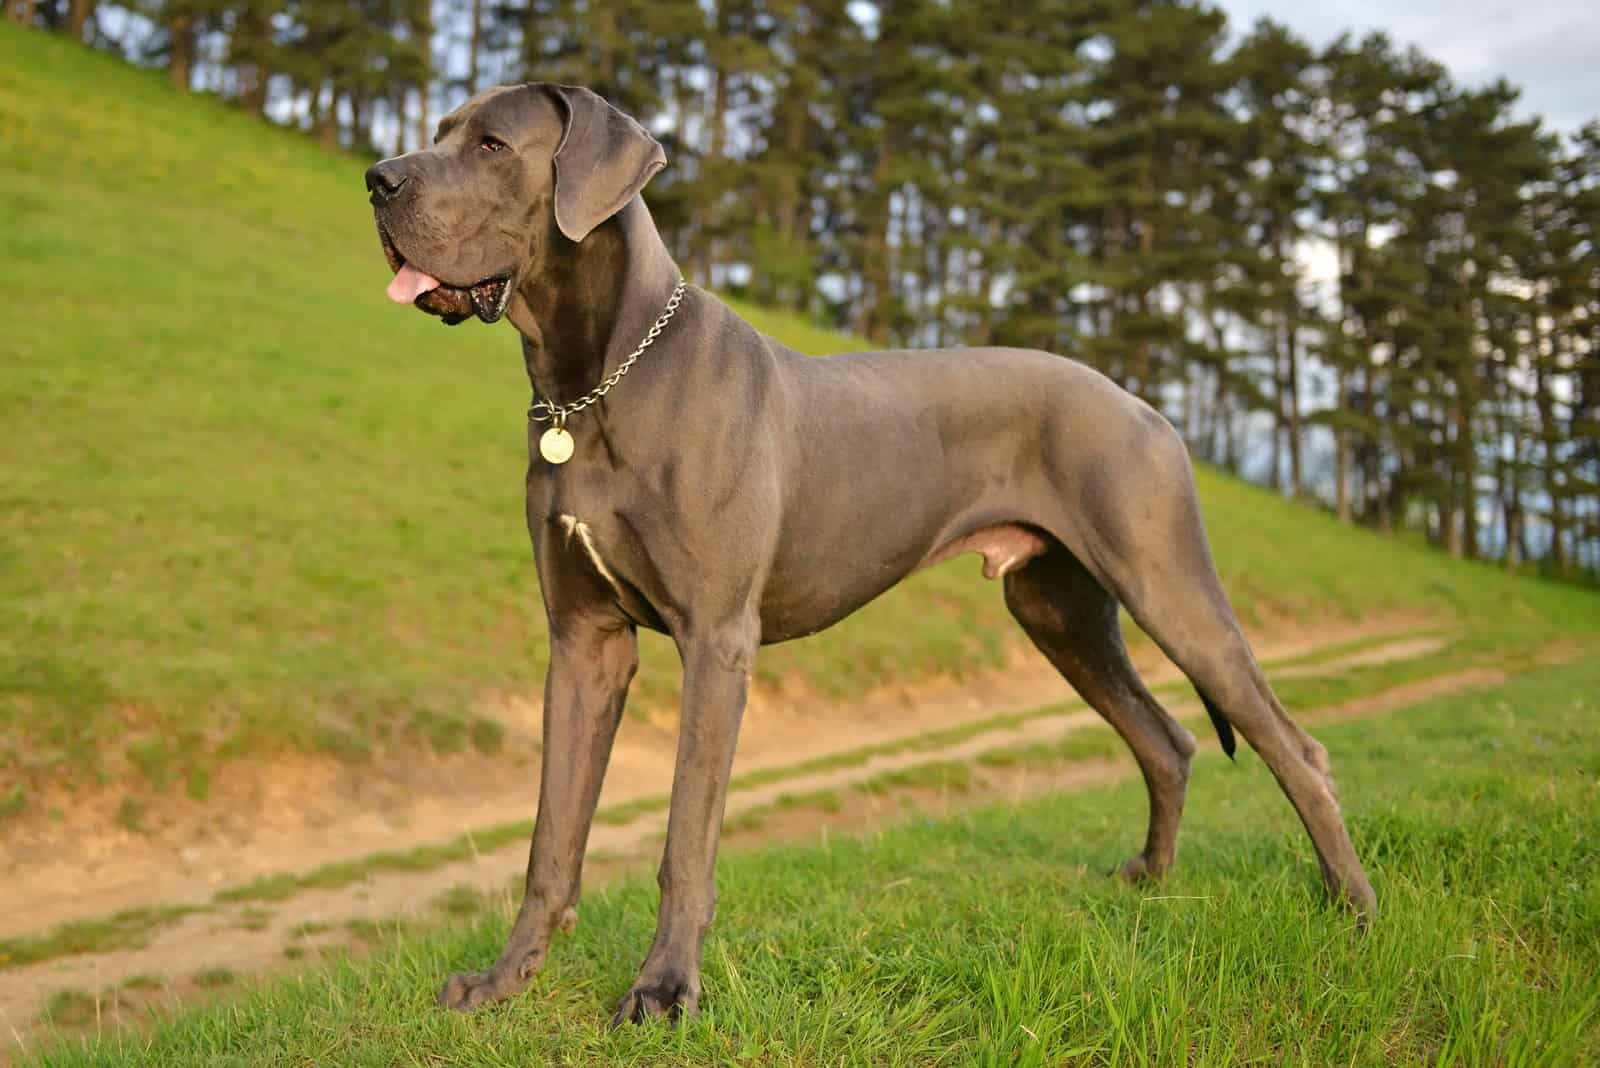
(247, 507)
(128, 929)
(344, 872)
(69, 1008)
(244, 505)
(253, 919)
(1095, 742)
(1091, 742)
(212, 978)
(993, 937)
(1323, 654)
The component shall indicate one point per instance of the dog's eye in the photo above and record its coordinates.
(491, 144)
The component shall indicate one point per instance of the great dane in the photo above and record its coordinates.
(722, 488)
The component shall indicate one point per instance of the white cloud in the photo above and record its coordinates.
(1546, 48)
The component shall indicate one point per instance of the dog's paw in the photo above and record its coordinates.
(671, 996)
(1357, 896)
(470, 990)
(1137, 869)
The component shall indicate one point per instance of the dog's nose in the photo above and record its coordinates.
(385, 179)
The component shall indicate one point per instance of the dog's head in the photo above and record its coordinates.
(512, 171)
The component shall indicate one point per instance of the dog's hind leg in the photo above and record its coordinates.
(1073, 621)
(1146, 542)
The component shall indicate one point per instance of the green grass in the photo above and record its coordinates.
(1096, 742)
(994, 937)
(253, 919)
(1324, 654)
(1091, 742)
(128, 929)
(211, 978)
(344, 872)
(69, 1008)
(247, 506)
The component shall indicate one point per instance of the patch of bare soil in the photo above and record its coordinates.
(317, 817)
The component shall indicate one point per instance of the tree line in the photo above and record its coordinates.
(1335, 270)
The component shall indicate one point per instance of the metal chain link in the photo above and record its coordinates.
(560, 413)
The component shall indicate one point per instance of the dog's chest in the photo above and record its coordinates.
(580, 542)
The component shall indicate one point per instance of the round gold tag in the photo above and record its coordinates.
(555, 445)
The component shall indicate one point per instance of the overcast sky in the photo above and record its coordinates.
(1550, 48)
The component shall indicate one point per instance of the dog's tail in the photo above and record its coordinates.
(1220, 722)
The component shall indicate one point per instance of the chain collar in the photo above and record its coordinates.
(546, 411)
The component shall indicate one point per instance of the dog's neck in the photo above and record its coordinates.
(593, 303)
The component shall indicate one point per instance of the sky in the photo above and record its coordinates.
(1550, 48)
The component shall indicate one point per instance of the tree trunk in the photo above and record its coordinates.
(424, 128)
(253, 91)
(1279, 419)
(1230, 450)
(1513, 555)
(605, 60)
(351, 135)
(397, 109)
(78, 13)
(1374, 501)
(251, 34)
(1292, 377)
(1455, 495)
(1449, 527)
(986, 283)
(180, 63)
(474, 45)
(1145, 369)
(1469, 497)
(1466, 446)
(1341, 456)
(716, 132)
(870, 313)
(1296, 472)
(328, 127)
(423, 27)
(1550, 436)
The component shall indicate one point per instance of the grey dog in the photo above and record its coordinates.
(730, 492)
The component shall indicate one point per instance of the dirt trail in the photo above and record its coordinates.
(308, 813)
(1383, 653)
(251, 938)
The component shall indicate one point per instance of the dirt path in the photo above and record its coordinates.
(307, 813)
(249, 939)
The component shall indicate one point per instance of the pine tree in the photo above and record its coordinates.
(1159, 141)
(1104, 178)
(1277, 168)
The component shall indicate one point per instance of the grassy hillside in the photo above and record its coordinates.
(995, 938)
(247, 504)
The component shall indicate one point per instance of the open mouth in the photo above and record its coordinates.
(487, 299)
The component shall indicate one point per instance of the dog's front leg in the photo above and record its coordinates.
(591, 664)
(716, 678)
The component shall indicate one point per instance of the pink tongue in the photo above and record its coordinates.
(409, 284)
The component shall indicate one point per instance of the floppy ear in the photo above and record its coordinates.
(604, 158)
